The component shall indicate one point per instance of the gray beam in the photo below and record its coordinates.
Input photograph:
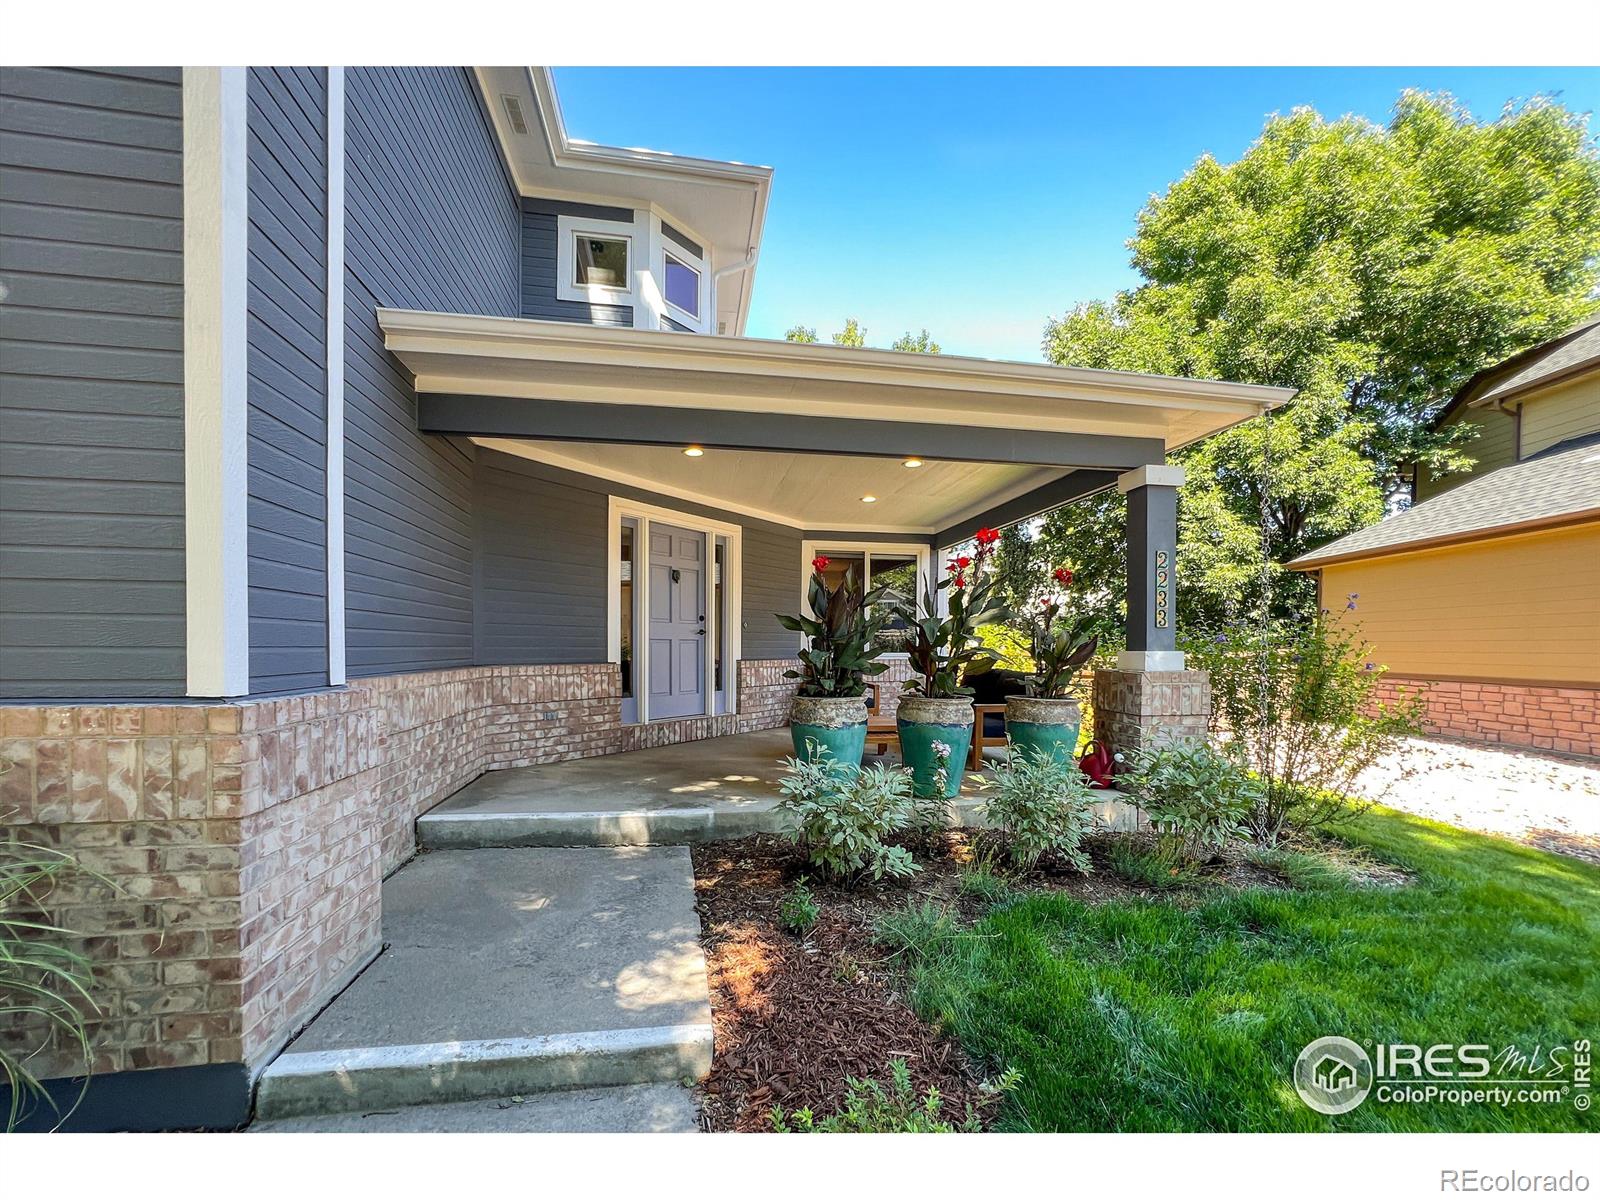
(638, 424)
(1072, 486)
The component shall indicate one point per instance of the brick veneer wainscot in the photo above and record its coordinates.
(1138, 709)
(246, 843)
(1564, 719)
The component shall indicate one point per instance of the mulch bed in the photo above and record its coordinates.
(796, 1015)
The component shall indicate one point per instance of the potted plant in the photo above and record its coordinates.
(841, 651)
(935, 716)
(1045, 719)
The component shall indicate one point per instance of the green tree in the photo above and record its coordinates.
(916, 343)
(851, 335)
(801, 333)
(1374, 268)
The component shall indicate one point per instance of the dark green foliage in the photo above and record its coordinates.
(943, 651)
(842, 647)
(798, 911)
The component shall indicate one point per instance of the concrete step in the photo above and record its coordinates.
(510, 972)
(638, 1108)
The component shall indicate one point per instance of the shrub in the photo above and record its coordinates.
(842, 815)
(869, 1107)
(1302, 708)
(1151, 867)
(39, 974)
(1197, 798)
(798, 911)
(1041, 805)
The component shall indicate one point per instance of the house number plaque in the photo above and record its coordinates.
(1163, 578)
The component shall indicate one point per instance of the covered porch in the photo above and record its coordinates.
(727, 464)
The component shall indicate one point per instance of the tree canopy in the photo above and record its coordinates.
(1372, 267)
(855, 335)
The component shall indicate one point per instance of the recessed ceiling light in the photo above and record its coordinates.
(869, 499)
(912, 462)
(693, 451)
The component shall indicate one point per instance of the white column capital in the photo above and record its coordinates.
(1150, 660)
(1151, 475)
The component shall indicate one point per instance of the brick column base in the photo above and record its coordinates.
(1138, 709)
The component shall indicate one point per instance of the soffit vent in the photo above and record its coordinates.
(514, 114)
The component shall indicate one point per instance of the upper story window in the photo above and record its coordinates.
(681, 285)
(600, 261)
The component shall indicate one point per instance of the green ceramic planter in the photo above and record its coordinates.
(1043, 727)
(923, 723)
(837, 725)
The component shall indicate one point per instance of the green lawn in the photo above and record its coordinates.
(1187, 1013)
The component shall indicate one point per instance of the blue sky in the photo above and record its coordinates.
(978, 202)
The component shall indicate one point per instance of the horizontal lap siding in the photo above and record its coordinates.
(91, 383)
(542, 544)
(541, 567)
(539, 227)
(431, 222)
(288, 452)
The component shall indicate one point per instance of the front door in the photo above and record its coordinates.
(677, 622)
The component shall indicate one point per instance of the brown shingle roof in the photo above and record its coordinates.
(1559, 483)
(1573, 352)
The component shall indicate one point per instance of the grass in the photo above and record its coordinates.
(1187, 1013)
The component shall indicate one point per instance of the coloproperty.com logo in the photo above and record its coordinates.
(1336, 1075)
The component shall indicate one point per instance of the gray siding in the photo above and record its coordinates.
(542, 565)
(771, 584)
(91, 374)
(539, 264)
(288, 454)
(431, 222)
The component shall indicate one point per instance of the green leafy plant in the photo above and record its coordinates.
(1197, 798)
(842, 638)
(1149, 866)
(1040, 805)
(42, 978)
(870, 1107)
(942, 650)
(982, 882)
(798, 910)
(1059, 646)
(842, 815)
(1304, 710)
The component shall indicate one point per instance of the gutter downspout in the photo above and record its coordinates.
(744, 264)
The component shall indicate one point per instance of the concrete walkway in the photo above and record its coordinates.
(641, 1108)
(511, 972)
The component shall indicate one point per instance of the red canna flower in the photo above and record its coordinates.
(819, 564)
(987, 537)
(958, 582)
(963, 562)
(1063, 576)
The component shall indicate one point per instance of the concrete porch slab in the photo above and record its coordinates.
(709, 790)
(511, 971)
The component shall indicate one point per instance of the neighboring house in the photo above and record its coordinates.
(1485, 594)
(363, 432)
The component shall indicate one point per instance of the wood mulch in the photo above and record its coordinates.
(795, 1016)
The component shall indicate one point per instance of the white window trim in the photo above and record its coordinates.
(810, 548)
(621, 506)
(568, 230)
(666, 245)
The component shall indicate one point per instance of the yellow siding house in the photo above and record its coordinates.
(1484, 595)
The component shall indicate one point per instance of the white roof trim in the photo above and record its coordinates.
(556, 360)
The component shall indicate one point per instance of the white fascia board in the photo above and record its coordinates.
(1150, 475)
(215, 260)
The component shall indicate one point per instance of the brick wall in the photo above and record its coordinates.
(245, 844)
(1136, 709)
(1564, 719)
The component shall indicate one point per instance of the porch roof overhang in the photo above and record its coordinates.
(621, 403)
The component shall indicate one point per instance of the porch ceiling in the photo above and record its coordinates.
(807, 491)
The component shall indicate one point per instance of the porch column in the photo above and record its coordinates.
(1150, 699)
(1152, 568)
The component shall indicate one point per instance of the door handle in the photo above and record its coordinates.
(700, 632)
